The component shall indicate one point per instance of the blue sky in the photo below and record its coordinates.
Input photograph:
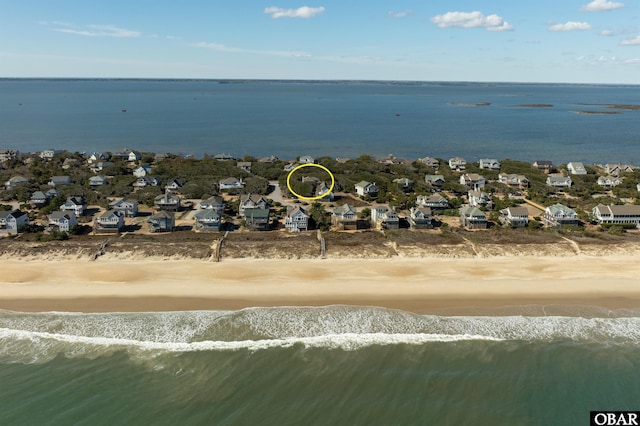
(580, 41)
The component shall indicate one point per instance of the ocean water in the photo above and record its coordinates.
(335, 365)
(288, 119)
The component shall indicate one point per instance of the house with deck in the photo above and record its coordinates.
(77, 205)
(39, 199)
(434, 163)
(174, 184)
(142, 171)
(162, 221)
(560, 215)
(306, 159)
(472, 218)
(230, 183)
(384, 217)
(297, 219)
(12, 221)
(480, 199)
(344, 217)
(256, 219)
(544, 165)
(245, 166)
(420, 218)
(405, 184)
(214, 203)
(208, 220)
(516, 217)
(457, 163)
(62, 221)
(323, 189)
(168, 202)
(111, 221)
(252, 201)
(514, 180)
(100, 166)
(618, 169)
(576, 168)
(489, 164)
(128, 207)
(8, 155)
(434, 180)
(433, 201)
(366, 189)
(559, 181)
(143, 182)
(473, 181)
(609, 181)
(627, 214)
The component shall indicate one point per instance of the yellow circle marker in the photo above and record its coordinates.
(333, 182)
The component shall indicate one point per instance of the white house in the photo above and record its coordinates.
(609, 181)
(12, 221)
(297, 219)
(208, 220)
(252, 201)
(230, 183)
(420, 218)
(77, 205)
(365, 188)
(134, 156)
(213, 203)
(576, 168)
(457, 163)
(617, 215)
(473, 181)
(142, 171)
(48, 154)
(559, 215)
(479, 198)
(430, 162)
(515, 216)
(489, 164)
(323, 189)
(515, 180)
(62, 221)
(559, 181)
(128, 207)
(385, 217)
(307, 159)
(434, 201)
(344, 217)
(109, 221)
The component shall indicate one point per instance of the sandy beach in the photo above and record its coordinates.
(412, 284)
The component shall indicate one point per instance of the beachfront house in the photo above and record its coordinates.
(208, 220)
(213, 203)
(142, 171)
(111, 221)
(252, 201)
(391, 159)
(434, 163)
(256, 219)
(290, 166)
(12, 221)
(384, 217)
(77, 205)
(559, 181)
(472, 218)
(433, 201)
(162, 221)
(230, 183)
(516, 217)
(489, 164)
(576, 168)
(434, 180)
(168, 202)
(128, 207)
(297, 219)
(62, 221)
(479, 199)
(560, 215)
(344, 217)
(628, 214)
(457, 163)
(513, 180)
(60, 180)
(405, 184)
(473, 181)
(420, 218)
(95, 181)
(15, 181)
(609, 181)
(366, 189)
(544, 165)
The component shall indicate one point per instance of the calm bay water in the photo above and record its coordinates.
(324, 118)
(334, 365)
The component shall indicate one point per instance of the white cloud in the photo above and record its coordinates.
(570, 26)
(96, 30)
(471, 20)
(601, 6)
(607, 33)
(305, 12)
(631, 41)
(403, 14)
(223, 48)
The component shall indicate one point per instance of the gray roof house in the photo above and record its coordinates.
(256, 219)
(434, 201)
(479, 198)
(344, 217)
(559, 215)
(60, 180)
(252, 201)
(128, 207)
(174, 184)
(244, 166)
(162, 221)
(214, 203)
(609, 181)
(473, 181)
(76, 205)
(559, 181)
(384, 217)
(576, 168)
(97, 181)
(544, 165)
(307, 159)
(16, 181)
(12, 221)
(515, 180)
(39, 199)
(297, 219)
(208, 220)
(323, 189)
(366, 189)
(430, 162)
(62, 221)
(167, 202)
(230, 183)
(628, 214)
(404, 183)
(515, 216)
(111, 221)
(457, 163)
(472, 218)
(434, 180)
(420, 218)
(489, 164)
